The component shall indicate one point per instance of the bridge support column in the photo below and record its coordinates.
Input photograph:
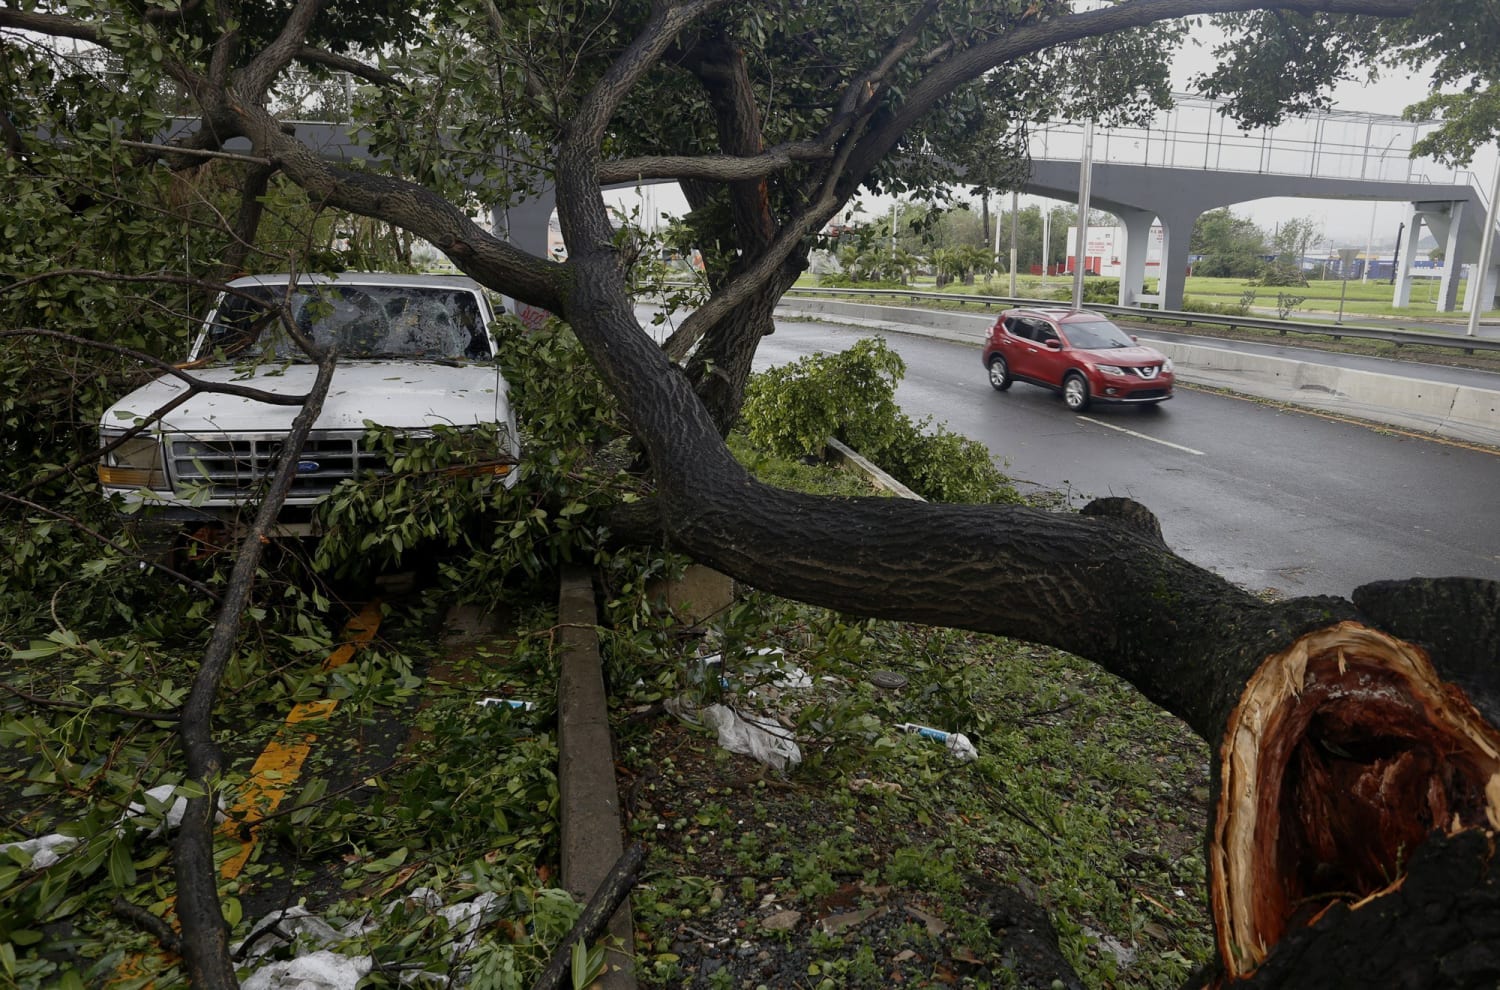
(1137, 245)
(525, 224)
(1407, 248)
(1176, 238)
(1445, 224)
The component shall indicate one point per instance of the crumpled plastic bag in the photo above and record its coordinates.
(320, 970)
(46, 850)
(317, 967)
(43, 850)
(761, 739)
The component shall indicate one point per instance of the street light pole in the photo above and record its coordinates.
(1085, 178)
(1015, 202)
(1482, 271)
(1046, 237)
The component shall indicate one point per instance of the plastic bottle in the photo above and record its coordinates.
(515, 703)
(957, 743)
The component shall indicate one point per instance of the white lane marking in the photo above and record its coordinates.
(1164, 443)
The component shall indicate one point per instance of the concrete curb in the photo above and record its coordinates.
(1459, 412)
(851, 458)
(589, 799)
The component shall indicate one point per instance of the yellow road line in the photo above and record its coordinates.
(280, 763)
(272, 776)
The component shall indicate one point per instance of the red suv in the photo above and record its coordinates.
(1082, 355)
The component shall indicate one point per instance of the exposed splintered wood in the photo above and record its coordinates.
(1345, 753)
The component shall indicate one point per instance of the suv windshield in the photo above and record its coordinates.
(1098, 336)
(359, 321)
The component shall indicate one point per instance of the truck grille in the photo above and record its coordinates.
(238, 466)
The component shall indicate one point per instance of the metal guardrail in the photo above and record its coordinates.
(1338, 331)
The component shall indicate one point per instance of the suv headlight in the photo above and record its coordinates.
(136, 463)
(1109, 369)
(1167, 365)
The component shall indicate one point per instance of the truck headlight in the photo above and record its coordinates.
(136, 463)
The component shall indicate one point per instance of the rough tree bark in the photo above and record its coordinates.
(1359, 766)
(719, 366)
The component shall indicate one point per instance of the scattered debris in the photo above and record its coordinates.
(515, 703)
(47, 850)
(781, 921)
(763, 739)
(958, 744)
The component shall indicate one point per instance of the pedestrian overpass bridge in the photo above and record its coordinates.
(1191, 159)
(1188, 160)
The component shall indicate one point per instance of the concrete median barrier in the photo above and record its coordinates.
(1459, 412)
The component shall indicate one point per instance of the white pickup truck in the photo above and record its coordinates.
(414, 351)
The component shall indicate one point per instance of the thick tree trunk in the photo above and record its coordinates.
(1344, 747)
(1346, 752)
(720, 365)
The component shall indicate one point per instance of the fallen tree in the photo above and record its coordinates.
(1356, 786)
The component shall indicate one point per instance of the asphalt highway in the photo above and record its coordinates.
(1269, 497)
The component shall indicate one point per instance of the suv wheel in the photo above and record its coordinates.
(999, 373)
(1076, 392)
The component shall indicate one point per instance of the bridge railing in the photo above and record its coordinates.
(1337, 331)
(1194, 134)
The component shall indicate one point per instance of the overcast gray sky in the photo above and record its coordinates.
(1345, 223)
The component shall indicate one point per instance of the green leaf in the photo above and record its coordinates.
(121, 864)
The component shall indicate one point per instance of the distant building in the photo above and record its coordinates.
(1104, 252)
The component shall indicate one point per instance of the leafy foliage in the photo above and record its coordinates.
(439, 500)
(1277, 274)
(1275, 63)
(1231, 246)
(792, 410)
(87, 722)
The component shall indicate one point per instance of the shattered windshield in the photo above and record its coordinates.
(358, 321)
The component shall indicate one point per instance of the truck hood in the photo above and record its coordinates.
(398, 394)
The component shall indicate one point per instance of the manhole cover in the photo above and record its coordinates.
(888, 679)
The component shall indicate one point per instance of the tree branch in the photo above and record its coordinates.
(176, 575)
(255, 79)
(970, 64)
(343, 63)
(194, 384)
(415, 208)
(52, 25)
(79, 706)
(204, 934)
(713, 168)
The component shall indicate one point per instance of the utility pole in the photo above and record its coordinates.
(1085, 178)
(1482, 270)
(1046, 237)
(1396, 255)
(1015, 201)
